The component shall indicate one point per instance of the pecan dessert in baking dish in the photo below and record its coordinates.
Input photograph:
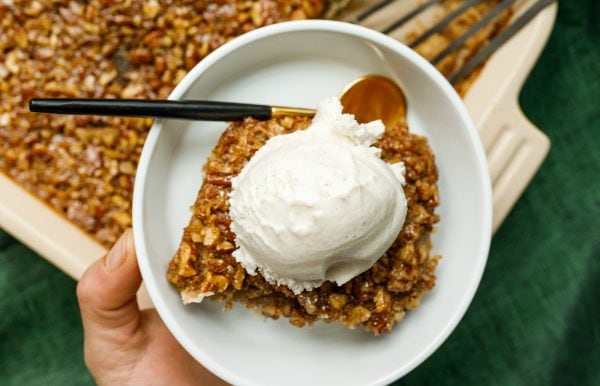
(84, 167)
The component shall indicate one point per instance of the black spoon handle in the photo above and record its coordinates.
(194, 110)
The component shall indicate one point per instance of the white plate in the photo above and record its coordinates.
(297, 64)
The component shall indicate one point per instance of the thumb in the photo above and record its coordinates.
(107, 290)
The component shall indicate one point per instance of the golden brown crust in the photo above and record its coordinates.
(375, 300)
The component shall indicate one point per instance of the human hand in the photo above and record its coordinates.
(123, 345)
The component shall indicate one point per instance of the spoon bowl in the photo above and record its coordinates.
(372, 97)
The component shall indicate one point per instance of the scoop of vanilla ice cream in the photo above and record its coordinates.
(317, 204)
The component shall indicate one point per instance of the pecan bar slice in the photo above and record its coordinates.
(375, 300)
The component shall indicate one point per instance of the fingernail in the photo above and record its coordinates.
(118, 252)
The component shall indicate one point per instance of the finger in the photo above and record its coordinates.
(107, 289)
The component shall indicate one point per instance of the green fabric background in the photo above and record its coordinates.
(536, 317)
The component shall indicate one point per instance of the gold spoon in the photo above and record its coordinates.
(369, 97)
(372, 97)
